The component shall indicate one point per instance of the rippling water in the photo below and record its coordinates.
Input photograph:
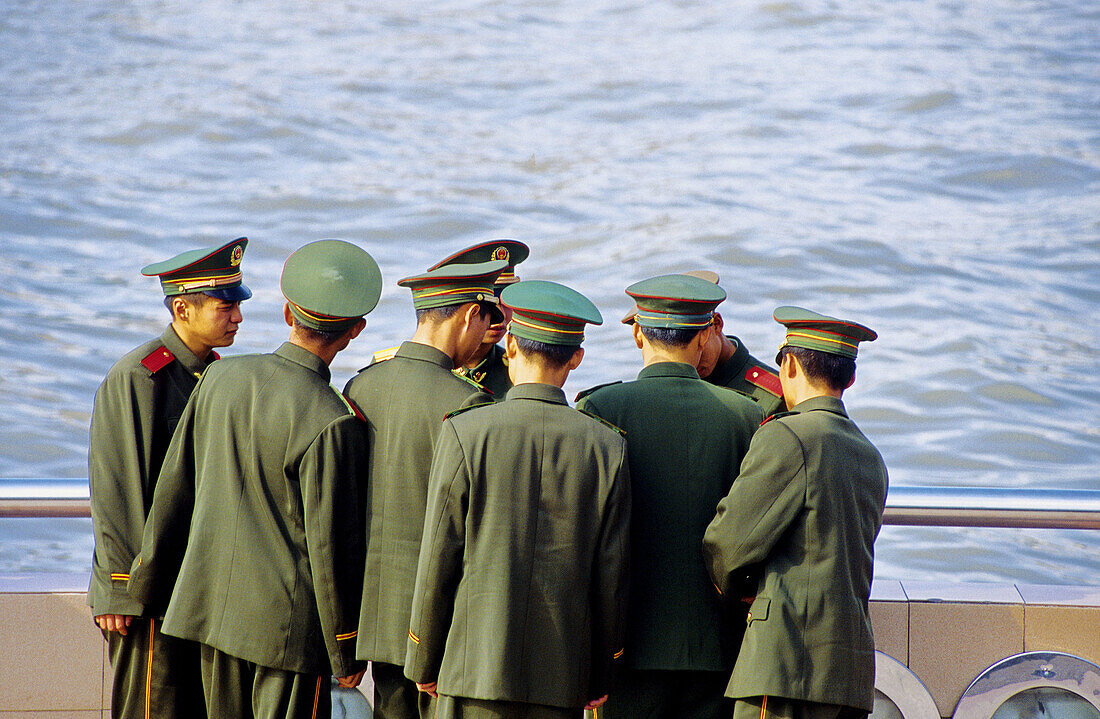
(929, 168)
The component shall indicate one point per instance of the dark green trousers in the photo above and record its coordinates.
(447, 707)
(154, 675)
(396, 697)
(780, 708)
(657, 694)
(236, 689)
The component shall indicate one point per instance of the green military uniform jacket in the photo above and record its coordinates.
(491, 373)
(745, 374)
(685, 439)
(136, 410)
(257, 510)
(405, 400)
(521, 586)
(807, 505)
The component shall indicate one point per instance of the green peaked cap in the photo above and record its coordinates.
(456, 285)
(512, 251)
(675, 301)
(330, 284)
(548, 312)
(820, 332)
(215, 271)
(628, 318)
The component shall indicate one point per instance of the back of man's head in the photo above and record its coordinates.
(833, 371)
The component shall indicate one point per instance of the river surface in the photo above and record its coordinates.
(931, 169)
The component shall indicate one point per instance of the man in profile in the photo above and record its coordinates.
(405, 399)
(685, 442)
(134, 415)
(488, 366)
(521, 585)
(256, 515)
(806, 509)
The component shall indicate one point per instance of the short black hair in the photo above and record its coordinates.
(555, 356)
(194, 299)
(833, 370)
(670, 336)
(444, 313)
(324, 337)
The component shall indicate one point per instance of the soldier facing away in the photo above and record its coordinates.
(135, 412)
(521, 585)
(685, 441)
(807, 507)
(405, 399)
(726, 362)
(256, 514)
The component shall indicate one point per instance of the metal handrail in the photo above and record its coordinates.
(905, 506)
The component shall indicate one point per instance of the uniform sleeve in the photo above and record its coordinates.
(610, 583)
(118, 465)
(329, 474)
(439, 569)
(154, 571)
(764, 500)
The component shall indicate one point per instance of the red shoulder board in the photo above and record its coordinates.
(354, 408)
(158, 359)
(777, 415)
(761, 377)
(216, 355)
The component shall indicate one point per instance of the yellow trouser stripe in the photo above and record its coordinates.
(149, 669)
(316, 697)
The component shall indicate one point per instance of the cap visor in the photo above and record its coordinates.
(240, 293)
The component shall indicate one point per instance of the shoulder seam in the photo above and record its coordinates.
(604, 422)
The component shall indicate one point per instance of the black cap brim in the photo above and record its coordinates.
(240, 293)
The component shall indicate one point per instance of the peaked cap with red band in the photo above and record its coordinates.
(820, 332)
(215, 271)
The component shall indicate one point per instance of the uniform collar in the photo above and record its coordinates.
(733, 367)
(183, 354)
(478, 371)
(302, 356)
(824, 402)
(668, 369)
(424, 353)
(541, 392)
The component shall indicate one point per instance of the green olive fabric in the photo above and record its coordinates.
(685, 441)
(807, 506)
(134, 414)
(404, 400)
(154, 675)
(257, 512)
(136, 409)
(521, 584)
(491, 373)
(745, 374)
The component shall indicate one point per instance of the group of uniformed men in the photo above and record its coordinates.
(448, 518)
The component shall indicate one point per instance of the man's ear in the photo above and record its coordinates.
(179, 308)
(852, 381)
(356, 328)
(703, 336)
(637, 330)
(471, 314)
(575, 360)
(511, 347)
(788, 367)
(287, 315)
(718, 324)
